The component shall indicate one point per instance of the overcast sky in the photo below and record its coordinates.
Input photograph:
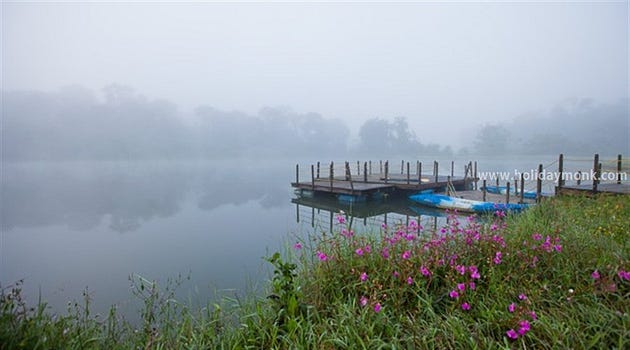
(444, 66)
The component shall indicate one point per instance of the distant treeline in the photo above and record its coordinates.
(73, 123)
(576, 127)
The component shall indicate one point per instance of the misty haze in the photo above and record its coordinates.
(161, 139)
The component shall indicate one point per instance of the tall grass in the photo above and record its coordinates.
(555, 276)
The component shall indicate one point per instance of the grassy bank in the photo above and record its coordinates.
(556, 276)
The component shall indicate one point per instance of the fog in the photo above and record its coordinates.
(74, 124)
(209, 80)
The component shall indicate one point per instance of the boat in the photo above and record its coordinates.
(464, 205)
(503, 190)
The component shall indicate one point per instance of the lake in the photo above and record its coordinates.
(71, 225)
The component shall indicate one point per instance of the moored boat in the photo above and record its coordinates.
(465, 205)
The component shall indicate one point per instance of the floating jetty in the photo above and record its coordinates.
(617, 185)
(365, 184)
(365, 181)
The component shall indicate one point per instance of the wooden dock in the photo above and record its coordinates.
(366, 183)
(379, 185)
(587, 189)
(358, 182)
(618, 185)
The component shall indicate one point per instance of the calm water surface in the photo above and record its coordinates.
(71, 225)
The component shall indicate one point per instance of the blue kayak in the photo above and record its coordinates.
(466, 205)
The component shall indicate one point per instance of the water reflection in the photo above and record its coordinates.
(319, 212)
(127, 195)
(68, 226)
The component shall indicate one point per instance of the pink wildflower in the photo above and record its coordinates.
(461, 286)
(533, 315)
(624, 275)
(367, 249)
(396, 274)
(453, 294)
(363, 301)
(385, 253)
(472, 285)
(406, 254)
(523, 327)
(347, 233)
(537, 236)
(497, 258)
(359, 252)
(474, 273)
(322, 256)
(341, 219)
(558, 248)
(363, 276)
(377, 307)
(384, 226)
(297, 245)
(465, 306)
(512, 307)
(425, 272)
(522, 297)
(409, 280)
(512, 334)
(595, 275)
(460, 269)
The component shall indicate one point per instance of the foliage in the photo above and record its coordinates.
(556, 276)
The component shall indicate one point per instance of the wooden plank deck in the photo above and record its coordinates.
(343, 187)
(491, 197)
(610, 188)
(377, 183)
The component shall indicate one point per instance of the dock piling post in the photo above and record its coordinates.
(419, 173)
(522, 188)
(318, 170)
(619, 169)
(386, 170)
(595, 169)
(331, 175)
(402, 167)
(507, 193)
(297, 173)
(452, 168)
(448, 185)
(312, 177)
(539, 183)
(560, 176)
(365, 171)
(435, 169)
(358, 168)
(475, 175)
(483, 188)
(579, 177)
(380, 162)
(408, 173)
(370, 167)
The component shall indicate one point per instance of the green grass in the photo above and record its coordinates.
(397, 291)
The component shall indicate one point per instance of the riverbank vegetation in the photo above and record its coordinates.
(556, 276)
